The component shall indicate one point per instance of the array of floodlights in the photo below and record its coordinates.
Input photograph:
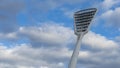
(82, 20)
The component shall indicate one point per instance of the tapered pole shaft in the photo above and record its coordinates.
(75, 54)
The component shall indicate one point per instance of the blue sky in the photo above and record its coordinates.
(40, 34)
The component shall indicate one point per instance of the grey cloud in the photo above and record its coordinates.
(8, 13)
(8, 27)
(34, 9)
(39, 9)
(10, 8)
(52, 4)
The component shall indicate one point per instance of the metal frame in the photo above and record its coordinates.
(83, 18)
(82, 21)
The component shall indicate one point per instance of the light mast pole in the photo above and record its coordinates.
(82, 21)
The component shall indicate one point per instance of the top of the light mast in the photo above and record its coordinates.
(82, 20)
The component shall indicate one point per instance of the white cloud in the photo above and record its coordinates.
(107, 4)
(111, 17)
(97, 41)
(26, 56)
(8, 36)
(49, 34)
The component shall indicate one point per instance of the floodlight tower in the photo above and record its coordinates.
(82, 21)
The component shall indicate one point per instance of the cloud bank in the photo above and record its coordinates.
(97, 51)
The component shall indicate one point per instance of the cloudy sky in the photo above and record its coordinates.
(40, 34)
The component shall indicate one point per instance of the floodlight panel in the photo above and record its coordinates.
(82, 20)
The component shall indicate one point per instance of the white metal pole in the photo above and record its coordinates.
(75, 54)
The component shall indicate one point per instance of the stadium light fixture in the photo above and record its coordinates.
(82, 20)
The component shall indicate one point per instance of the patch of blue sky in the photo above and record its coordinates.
(59, 17)
(22, 19)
